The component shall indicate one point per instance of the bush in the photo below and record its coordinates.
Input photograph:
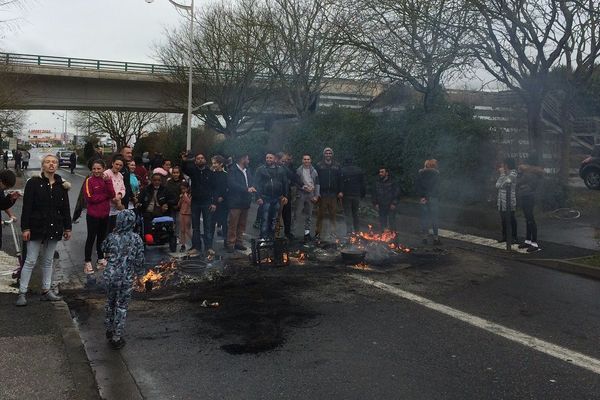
(255, 144)
(402, 142)
(173, 141)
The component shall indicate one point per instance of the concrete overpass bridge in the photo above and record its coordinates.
(65, 83)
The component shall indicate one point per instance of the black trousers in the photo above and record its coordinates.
(96, 232)
(527, 204)
(286, 214)
(513, 225)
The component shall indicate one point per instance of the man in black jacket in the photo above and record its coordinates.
(354, 189)
(285, 161)
(127, 154)
(272, 187)
(385, 199)
(203, 201)
(156, 200)
(239, 196)
(220, 179)
(330, 181)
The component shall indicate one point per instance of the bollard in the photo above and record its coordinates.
(507, 214)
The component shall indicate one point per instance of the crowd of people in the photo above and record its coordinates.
(203, 196)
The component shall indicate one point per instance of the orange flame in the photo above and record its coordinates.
(158, 275)
(387, 237)
(363, 266)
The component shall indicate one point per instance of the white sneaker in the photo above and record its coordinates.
(87, 268)
(101, 264)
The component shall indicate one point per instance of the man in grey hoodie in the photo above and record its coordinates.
(308, 192)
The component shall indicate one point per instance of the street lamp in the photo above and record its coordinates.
(190, 9)
(63, 117)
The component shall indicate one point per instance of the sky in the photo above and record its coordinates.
(120, 30)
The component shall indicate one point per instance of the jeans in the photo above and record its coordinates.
(429, 216)
(96, 232)
(527, 204)
(387, 218)
(270, 212)
(34, 247)
(351, 204)
(201, 211)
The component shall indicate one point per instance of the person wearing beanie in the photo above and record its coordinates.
(330, 181)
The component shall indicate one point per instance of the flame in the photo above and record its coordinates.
(158, 275)
(286, 258)
(387, 237)
(363, 266)
(302, 256)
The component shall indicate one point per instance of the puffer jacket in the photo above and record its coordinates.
(502, 184)
(46, 211)
(529, 179)
(330, 179)
(427, 183)
(353, 181)
(386, 192)
(271, 181)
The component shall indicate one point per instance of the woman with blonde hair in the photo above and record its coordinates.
(427, 188)
(45, 219)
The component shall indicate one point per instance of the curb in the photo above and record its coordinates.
(567, 266)
(83, 377)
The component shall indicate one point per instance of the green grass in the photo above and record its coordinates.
(592, 261)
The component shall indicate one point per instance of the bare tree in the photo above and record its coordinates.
(123, 127)
(578, 64)
(305, 50)
(518, 42)
(226, 64)
(419, 42)
(12, 120)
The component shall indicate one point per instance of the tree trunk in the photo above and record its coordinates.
(566, 125)
(535, 128)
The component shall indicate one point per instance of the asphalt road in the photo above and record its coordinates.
(310, 332)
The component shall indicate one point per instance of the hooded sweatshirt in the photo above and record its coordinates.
(124, 251)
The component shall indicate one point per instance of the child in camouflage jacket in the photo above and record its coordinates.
(124, 251)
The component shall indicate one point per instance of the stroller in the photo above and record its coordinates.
(16, 273)
(161, 232)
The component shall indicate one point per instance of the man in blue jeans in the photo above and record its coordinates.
(203, 200)
(272, 188)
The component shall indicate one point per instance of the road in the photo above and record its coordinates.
(315, 332)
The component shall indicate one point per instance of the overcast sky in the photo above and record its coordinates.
(121, 30)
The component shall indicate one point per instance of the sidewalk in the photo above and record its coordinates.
(41, 353)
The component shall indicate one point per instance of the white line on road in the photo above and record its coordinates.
(542, 346)
(477, 240)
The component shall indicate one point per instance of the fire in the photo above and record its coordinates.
(363, 266)
(157, 276)
(387, 237)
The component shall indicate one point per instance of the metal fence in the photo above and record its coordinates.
(84, 63)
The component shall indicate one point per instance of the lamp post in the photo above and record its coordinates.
(63, 117)
(190, 9)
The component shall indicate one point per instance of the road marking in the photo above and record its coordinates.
(561, 353)
(477, 240)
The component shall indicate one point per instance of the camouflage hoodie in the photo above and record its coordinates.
(124, 250)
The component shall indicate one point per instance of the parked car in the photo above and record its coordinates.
(64, 158)
(589, 170)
